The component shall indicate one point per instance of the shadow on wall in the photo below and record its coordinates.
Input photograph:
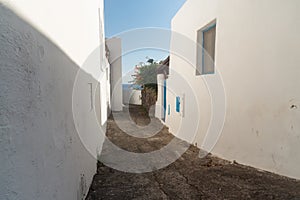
(42, 156)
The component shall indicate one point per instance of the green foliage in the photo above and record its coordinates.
(149, 97)
(146, 74)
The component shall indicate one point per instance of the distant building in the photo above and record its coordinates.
(114, 47)
(161, 103)
(132, 94)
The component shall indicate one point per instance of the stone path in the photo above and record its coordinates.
(188, 178)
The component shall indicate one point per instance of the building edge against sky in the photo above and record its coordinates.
(115, 58)
(46, 43)
(257, 56)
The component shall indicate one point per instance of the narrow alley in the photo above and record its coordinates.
(138, 100)
(188, 178)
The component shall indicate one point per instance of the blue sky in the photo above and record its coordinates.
(126, 15)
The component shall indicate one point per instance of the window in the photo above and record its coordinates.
(177, 104)
(206, 39)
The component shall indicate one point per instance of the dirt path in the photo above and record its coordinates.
(188, 178)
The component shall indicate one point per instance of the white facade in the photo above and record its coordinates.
(159, 105)
(132, 96)
(257, 57)
(43, 45)
(115, 58)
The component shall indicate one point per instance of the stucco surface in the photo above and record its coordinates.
(115, 59)
(257, 57)
(42, 156)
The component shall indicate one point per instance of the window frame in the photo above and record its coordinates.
(200, 48)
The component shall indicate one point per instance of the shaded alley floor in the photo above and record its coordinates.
(188, 178)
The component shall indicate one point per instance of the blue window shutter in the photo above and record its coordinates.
(177, 104)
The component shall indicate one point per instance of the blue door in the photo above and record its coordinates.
(165, 99)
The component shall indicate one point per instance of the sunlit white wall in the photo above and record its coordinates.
(257, 55)
(115, 58)
(45, 153)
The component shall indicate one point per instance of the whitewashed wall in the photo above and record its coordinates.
(159, 105)
(42, 46)
(115, 58)
(257, 55)
(132, 96)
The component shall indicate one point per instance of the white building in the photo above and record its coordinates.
(254, 46)
(114, 46)
(50, 135)
(131, 95)
(161, 102)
